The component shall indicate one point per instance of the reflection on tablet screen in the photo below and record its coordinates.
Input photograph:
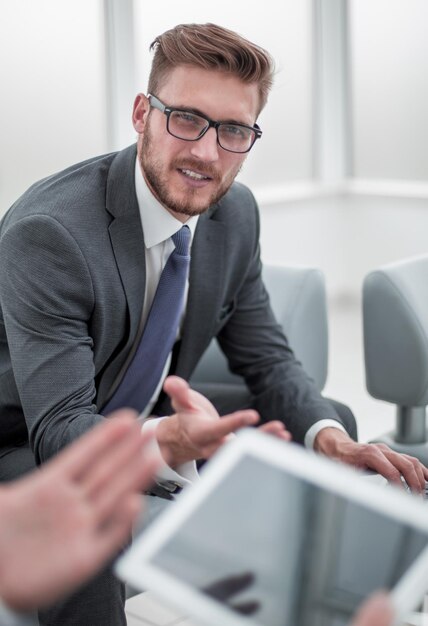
(284, 552)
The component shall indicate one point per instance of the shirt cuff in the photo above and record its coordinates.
(317, 427)
(182, 475)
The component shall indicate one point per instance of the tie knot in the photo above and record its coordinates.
(181, 240)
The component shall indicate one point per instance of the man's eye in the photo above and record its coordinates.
(238, 132)
(183, 117)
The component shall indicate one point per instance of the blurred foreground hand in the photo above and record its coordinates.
(60, 524)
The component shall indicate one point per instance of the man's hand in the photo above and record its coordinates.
(196, 430)
(60, 524)
(377, 611)
(277, 429)
(378, 457)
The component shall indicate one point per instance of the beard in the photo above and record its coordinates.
(191, 203)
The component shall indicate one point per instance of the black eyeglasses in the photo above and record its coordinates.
(184, 124)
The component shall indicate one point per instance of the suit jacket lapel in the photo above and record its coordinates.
(126, 232)
(205, 290)
(127, 241)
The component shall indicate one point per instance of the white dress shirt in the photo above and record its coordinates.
(158, 227)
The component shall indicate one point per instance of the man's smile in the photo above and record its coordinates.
(194, 175)
(194, 178)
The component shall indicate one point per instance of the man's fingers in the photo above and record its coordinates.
(127, 451)
(377, 611)
(112, 535)
(409, 468)
(382, 466)
(110, 500)
(370, 456)
(132, 478)
(179, 392)
(277, 429)
(217, 430)
(407, 471)
(392, 465)
(419, 469)
(375, 456)
(184, 398)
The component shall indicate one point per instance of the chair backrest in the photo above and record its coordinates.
(395, 319)
(298, 299)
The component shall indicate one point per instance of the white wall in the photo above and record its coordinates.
(345, 235)
(52, 77)
(390, 88)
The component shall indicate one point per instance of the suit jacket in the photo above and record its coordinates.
(72, 278)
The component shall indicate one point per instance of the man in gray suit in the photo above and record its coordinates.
(81, 254)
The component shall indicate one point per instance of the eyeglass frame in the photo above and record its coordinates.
(167, 110)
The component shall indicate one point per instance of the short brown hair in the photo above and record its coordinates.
(211, 47)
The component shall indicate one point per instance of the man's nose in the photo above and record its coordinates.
(206, 148)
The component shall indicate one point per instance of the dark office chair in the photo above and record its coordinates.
(298, 299)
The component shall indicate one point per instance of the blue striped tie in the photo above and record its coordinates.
(145, 370)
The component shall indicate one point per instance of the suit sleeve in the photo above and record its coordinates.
(47, 299)
(257, 350)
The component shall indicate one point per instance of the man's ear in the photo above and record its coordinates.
(140, 112)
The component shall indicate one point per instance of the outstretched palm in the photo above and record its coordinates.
(196, 430)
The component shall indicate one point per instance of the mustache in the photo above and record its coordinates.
(206, 169)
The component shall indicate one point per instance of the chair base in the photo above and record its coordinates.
(419, 450)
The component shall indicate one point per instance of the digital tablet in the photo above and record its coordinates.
(275, 535)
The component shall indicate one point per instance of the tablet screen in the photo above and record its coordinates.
(286, 552)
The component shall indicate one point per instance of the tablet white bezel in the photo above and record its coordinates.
(137, 568)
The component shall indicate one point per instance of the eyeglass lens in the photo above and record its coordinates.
(186, 125)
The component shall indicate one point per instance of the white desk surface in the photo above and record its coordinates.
(147, 609)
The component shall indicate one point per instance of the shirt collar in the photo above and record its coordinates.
(158, 223)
